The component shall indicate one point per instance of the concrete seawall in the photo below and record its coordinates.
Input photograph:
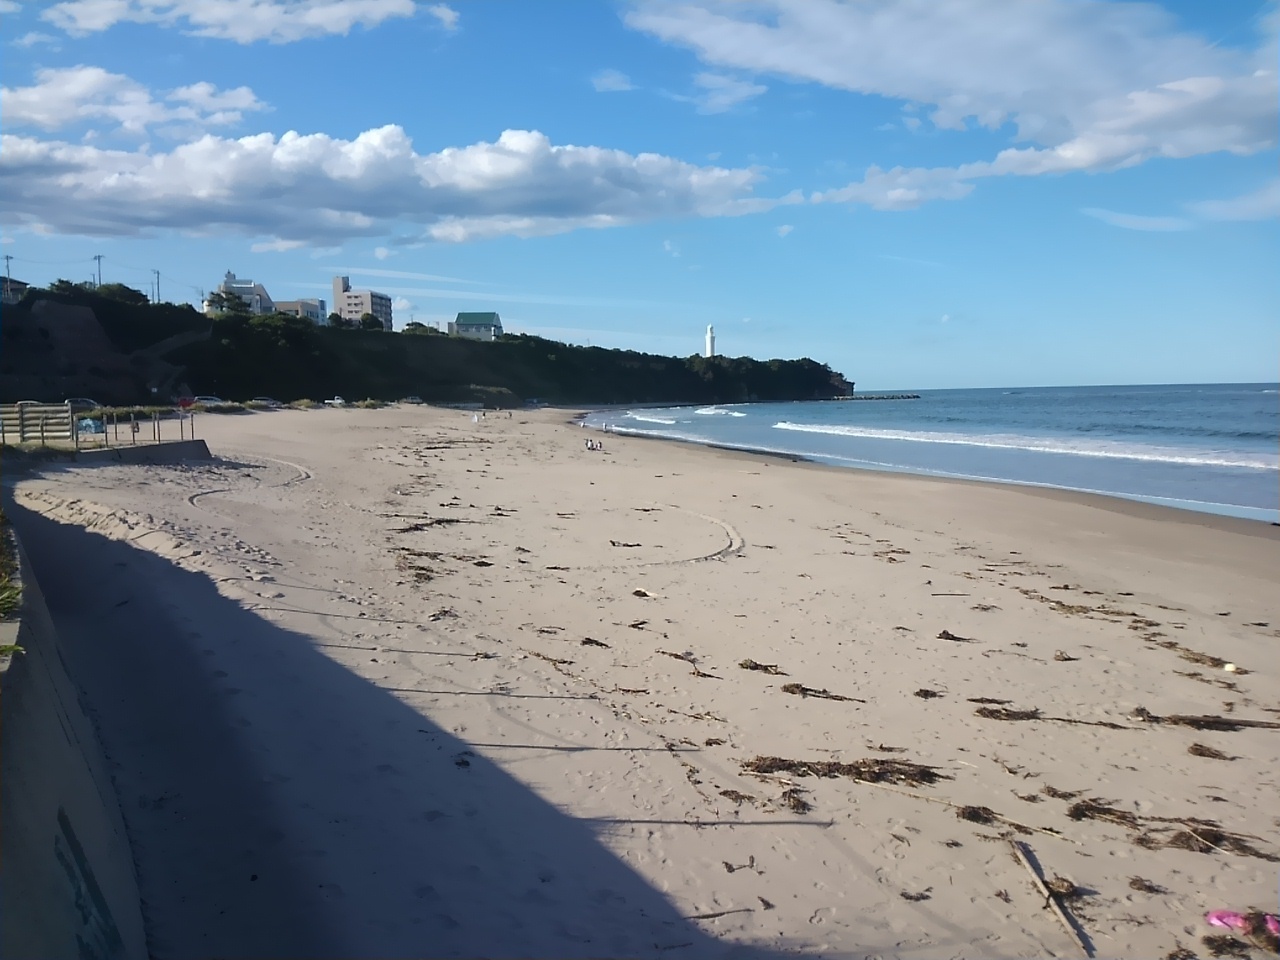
(169, 452)
(67, 882)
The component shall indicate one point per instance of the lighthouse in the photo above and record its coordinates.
(711, 341)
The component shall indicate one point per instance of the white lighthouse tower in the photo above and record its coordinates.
(711, 341)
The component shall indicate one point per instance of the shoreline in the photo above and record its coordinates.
(1271, 516)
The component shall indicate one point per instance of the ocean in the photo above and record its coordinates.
(1208, 447)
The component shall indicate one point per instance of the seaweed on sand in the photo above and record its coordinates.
(870, 770)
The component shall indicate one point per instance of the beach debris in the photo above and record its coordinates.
(1003, 895)
(481, 563)
(984, 607)
(713, 742)
(738, 797)
(976, 814)
(769, 668)
(869, 770)
(638, 624)
(948, 635)
(1094, 809)
(1221, 945)
(641, 592)
(946, 594)
(801, 690)
(884, 749)
(1052, 899)
(1028, 797)
(993, 700)
(1064, 657)
(1145, 886)
(1181, 953)
(1204, 836)
(924, 693)
(751, 860)
(617, 689)
(793, 799)
(623, 543)
(444, 613)
(924, 894)
(554, 661)
(1051, 791)
(722, 913)
(460, 760)
(1204, 721)
(765, 903)
(1200, 750)
(592, 642)
(1004, 713)
(1261, 929)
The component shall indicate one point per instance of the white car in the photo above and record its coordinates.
(335, 402)
(207, 401)
(267, 402)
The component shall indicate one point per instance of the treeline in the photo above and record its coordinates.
(291, 358)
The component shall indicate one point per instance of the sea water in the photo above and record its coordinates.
(1208, 447)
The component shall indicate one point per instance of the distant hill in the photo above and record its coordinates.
(290, 358)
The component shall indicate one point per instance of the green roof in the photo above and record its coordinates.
(484, 318)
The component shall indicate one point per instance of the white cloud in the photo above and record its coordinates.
(720, 94)
(242, 21)
(1133, 221)
(64, 96)
(784, 229)
(9, 6)
(1262, 204)
(946, 318)
(399, 274)
(276, 246)
(1083, 86)
(322, 190)
(32, 38)
(445, 14)
(611, 81)
(670, 248)
(382, 253)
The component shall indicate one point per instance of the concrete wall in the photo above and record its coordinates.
(67, 882)
(171, 451)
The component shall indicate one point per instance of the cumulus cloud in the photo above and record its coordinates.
(60, 97)
(1262, 204)
(611, 81)
(670, 249)
(242, 21)
(444, 14)
(1133, 221)
(321, 190)
(382, 253)
(276, 246)
(1082, 86)
(784, 229)
(9, 6)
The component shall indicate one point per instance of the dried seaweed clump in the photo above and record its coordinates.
(1206, 838)
(1094, 809)
(1221, 945)
(794, 801)
(869, 770)
(769, 668)
(801, 690)
(976, 814)
(1200, 750)
(1143, 885)
(1003, 713)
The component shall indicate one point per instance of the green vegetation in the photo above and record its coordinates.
(291, 358)
(10, 590)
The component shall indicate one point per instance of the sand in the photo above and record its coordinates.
(393, 682)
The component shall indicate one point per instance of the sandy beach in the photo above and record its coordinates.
(396, 683)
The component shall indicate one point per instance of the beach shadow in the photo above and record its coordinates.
(280, 805)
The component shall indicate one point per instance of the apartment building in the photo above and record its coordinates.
(351, 305)
(313, 310)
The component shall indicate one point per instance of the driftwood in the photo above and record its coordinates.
(1050, 900)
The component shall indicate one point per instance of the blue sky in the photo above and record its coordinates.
(926, 193)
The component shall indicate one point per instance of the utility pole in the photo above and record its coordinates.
(8, 279)
(157, 273)
(98, 257)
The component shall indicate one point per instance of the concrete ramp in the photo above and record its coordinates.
(172, 452)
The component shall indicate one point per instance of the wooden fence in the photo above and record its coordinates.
(59, 424)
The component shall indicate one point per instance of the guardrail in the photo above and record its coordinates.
(60, 424)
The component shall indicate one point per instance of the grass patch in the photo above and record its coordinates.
(10, 590)
(303, 404)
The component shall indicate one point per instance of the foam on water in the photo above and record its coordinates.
(718, 411)
(1096, 448)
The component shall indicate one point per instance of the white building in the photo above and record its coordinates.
(253, 294)
(477, 326)
(312, 309)
(351, 305)
(711, 341)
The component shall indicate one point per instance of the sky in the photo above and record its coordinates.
(920, 193)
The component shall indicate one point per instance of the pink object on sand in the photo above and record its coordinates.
(1237, 921)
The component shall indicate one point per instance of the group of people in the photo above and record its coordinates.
(594, 444)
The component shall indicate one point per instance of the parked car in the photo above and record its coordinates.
(335, 402)
(267, 402)
(413, 399)
(209, 401)
(83, 403)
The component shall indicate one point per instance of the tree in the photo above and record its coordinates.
(369, 322)
(66, 287)
(118, 291)
(413, 326)
(337, 322)
(226, 303)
